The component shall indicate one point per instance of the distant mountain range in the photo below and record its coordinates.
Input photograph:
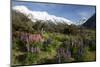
(49, 19)
(91, 22)
(41, 15)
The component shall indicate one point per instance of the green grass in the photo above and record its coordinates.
(50, 52)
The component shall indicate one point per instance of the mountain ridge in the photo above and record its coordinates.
(41, 15)
(91, 22)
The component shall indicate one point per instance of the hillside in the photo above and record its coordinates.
(23, 23)
(91, 22)
(44, 42)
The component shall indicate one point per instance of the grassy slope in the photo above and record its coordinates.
(50, 52)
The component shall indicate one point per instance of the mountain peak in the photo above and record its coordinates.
(41, 15)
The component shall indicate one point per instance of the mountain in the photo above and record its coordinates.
(20, 22)
(41, 15)
(91, 22)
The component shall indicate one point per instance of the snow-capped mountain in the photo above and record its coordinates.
(41, 15)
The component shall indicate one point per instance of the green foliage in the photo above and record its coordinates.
(88, 55)
(49, 52)
(71, 29)
(21, 23)
(55, 36)
(31, 58)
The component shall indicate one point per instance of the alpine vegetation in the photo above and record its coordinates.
(45, 33)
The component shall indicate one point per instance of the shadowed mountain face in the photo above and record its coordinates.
(91, 22)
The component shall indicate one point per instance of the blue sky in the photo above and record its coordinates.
(72, 12)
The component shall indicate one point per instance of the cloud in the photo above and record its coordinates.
(83, 14)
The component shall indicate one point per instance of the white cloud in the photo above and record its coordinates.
(84, 15)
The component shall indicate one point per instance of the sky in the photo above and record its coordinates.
(72, 12)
